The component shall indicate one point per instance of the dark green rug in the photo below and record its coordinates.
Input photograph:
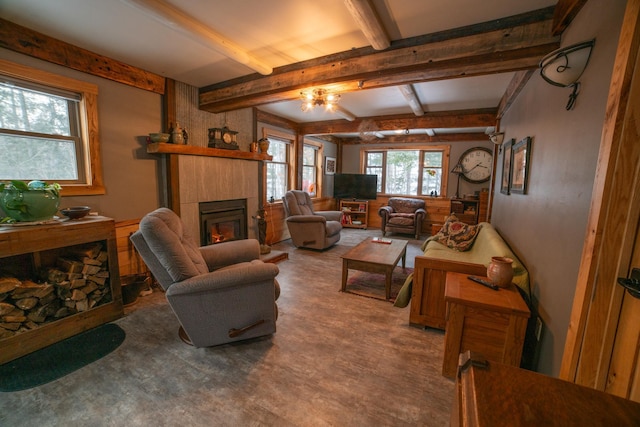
(59, 359)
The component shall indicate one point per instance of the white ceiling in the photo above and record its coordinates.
(276, 32)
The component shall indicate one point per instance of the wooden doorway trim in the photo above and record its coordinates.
(612, 222)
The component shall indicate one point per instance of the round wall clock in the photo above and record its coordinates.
(476, 164)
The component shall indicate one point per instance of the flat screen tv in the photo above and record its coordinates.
(355, 186)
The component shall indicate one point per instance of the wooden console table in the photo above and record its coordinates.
(27, 249)
(494, 394)
(479, 319)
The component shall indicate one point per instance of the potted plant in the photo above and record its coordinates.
(33, 201)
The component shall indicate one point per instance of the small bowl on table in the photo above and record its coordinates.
(76, 212)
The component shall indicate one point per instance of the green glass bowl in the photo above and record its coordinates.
(28, 206)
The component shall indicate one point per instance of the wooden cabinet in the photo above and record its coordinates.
(494, 394)
(479, 319)
(355, 214)
(28, 251)
(466, 210)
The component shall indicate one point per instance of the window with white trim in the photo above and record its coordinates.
(408, 172)
(278, 170)
(311, 169)
(48, 130)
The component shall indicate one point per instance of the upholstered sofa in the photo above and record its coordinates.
(425, 288)
(402, 215)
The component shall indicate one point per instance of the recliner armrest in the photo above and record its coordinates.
(228, 253)
(307, 218)
(420, 213)
(245, 274)
(330, 215)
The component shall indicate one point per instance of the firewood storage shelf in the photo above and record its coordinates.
(38, 243)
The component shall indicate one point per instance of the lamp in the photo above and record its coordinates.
(458, 170)
(496, 137)
(318, 97)
(563, 67)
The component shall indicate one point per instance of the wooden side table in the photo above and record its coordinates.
(479, 319)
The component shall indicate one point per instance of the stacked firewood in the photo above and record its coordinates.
(77, 282)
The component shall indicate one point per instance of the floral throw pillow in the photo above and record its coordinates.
(457, 235)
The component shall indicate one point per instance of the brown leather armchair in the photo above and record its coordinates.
(403, 215)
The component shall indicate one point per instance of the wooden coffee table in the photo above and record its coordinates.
(375, 257)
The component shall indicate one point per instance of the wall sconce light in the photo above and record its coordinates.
(563, 67)
(496, 137)
(458, 170)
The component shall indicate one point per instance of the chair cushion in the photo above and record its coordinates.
(457, 235)
(176, 251)
(407, 219)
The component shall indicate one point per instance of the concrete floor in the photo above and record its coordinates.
(337, 359)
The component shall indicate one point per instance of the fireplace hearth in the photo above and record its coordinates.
(223, 221)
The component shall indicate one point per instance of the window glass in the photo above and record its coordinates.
(310, 169)
(431, 173)
(408, 172)
(402, 172)
(277, 182)
(374, 163)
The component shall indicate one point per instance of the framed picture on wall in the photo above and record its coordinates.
(520, 155)
(506, 166)
(330, 165)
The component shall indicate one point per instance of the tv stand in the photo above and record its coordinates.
(355, 213)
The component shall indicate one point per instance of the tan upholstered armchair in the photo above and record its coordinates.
(403, 215)
(219, 293)
(309, 229)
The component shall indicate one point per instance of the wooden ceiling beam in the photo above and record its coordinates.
(447, 119)
(564, 13)
(508, 49)
(37, 45)
(518, 82)
(366, 16)
(424, 138)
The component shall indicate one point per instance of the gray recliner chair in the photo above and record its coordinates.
(309, 229)
(220, 293)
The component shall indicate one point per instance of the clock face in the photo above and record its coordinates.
(476, 164)
(226, 138)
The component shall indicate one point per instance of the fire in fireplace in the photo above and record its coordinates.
(223, 221)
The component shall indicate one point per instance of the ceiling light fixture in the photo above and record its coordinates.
(563, 67)
(318, 97)
(174, 18)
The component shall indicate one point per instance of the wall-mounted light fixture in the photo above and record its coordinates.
(563, 67)
(496, 137)
(318, 97)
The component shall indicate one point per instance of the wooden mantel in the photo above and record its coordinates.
(190, 150)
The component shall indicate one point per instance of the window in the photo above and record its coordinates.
(311, 161)
(48, 130)
(278, 170)
(415, 172)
